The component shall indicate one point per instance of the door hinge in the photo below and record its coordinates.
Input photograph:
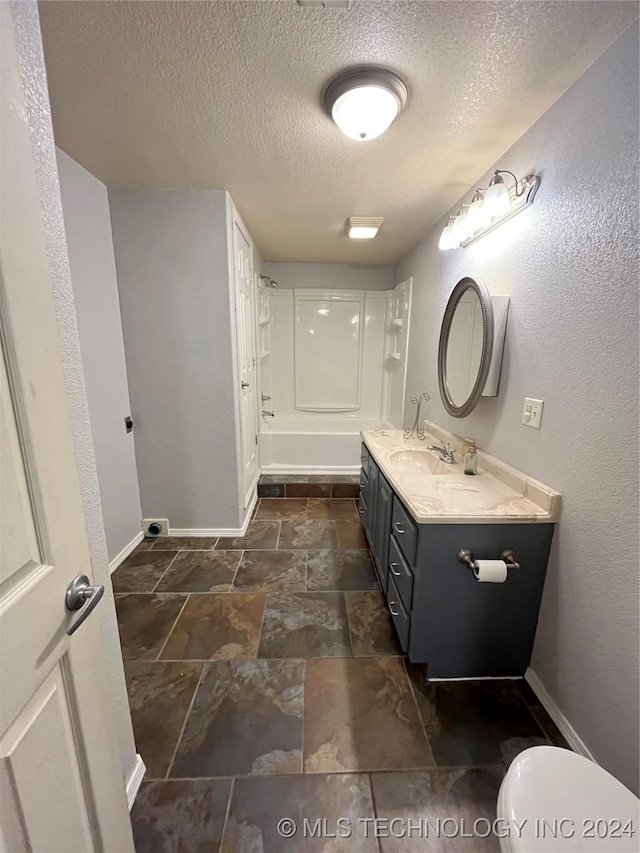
(256, 439)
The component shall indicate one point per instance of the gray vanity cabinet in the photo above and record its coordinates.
(368, 487)
(384, 506)
(443, 616)
(375, 507)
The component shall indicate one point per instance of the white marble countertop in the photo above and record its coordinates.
(438, 493)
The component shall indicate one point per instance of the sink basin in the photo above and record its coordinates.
(420, 461)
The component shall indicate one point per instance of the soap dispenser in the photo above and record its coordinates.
(471, 457)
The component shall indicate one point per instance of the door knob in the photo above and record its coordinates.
(83, 597)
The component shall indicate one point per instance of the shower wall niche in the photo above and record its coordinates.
(330, 353)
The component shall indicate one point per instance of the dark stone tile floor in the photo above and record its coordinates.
(265, 681)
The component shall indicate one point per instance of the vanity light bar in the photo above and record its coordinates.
(527, 188)
(467, 227)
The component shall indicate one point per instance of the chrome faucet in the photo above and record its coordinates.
(446, 453)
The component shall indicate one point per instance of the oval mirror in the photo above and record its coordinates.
(466, 344)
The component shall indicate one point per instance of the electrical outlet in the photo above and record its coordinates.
(532, 412)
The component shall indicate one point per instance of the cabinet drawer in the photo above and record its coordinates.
(401, 573)
(405, 531)
(364, 459)
(362, 507)
(398, 614)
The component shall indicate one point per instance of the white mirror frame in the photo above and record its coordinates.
(486, 306)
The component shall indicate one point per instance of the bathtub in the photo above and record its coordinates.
(313, 445)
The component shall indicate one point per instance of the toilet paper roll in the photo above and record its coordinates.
(490, 571)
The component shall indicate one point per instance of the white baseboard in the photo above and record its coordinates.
(217, 531)
(571, 735)
(137, 539)
(135, 780)
(309, 469)
(251, 507)
(207, 531)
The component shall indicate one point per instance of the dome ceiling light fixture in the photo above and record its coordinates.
(364, 101)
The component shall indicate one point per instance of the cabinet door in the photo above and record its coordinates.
(370, 518)
(383, 529)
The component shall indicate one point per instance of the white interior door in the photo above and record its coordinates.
(246, 357)
(61, 783)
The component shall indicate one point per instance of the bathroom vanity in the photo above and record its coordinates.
(418, 514)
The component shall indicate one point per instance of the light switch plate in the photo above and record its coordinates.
(532, 412)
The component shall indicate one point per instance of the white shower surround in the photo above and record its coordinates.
(318, 431)
(314, 444)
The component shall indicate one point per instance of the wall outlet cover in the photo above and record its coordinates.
(532, 412)
(163, 524)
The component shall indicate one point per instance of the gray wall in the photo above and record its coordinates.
(93, 275)
(173, 278)
(348, 276)
(25, 16)
(570, 265)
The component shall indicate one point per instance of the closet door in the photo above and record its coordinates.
(245, 356)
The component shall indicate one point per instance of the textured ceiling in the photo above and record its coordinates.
(227, 95)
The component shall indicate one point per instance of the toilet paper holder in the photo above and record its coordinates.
(466, 556)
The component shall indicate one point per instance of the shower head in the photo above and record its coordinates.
(268, 280)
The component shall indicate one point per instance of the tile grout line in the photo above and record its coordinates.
(235, 574)
(415, 702)
(248, 591)
(264, 610)
(184, 724)
(175, 622)
(419, 768)
(374, 807)
(246, 658)
(227, 813)
(304, 714)
(346, 611)
(165, 571)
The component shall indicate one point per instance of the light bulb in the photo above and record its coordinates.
(446, 238)
(365, 112)
(461, 226)
(496, 201)
(477, 217)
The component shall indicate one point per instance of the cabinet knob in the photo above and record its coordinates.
(398, 527)
(393, 571)
(391, 610)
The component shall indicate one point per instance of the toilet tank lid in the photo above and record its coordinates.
(546, 783)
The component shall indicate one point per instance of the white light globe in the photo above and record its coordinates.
(446, 238)
(365, 112)
(496, 201)
(477, 217)
(461, 228)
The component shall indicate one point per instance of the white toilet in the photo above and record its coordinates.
(568, 803)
